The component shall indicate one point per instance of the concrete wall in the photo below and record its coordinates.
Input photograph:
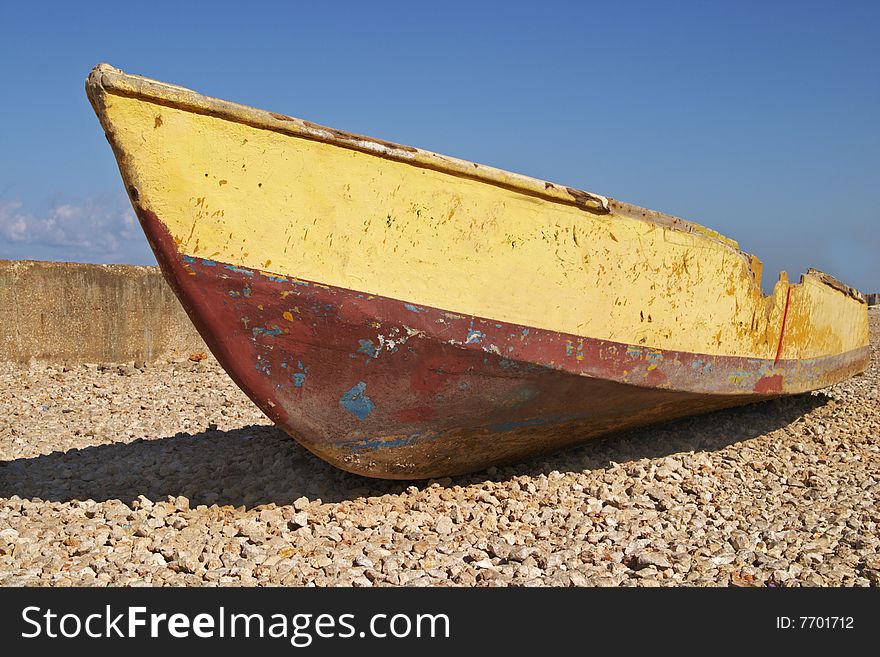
(76, 313)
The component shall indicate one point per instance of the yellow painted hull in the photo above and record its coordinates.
(268, 193)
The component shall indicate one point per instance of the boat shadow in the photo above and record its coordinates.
(260, 464)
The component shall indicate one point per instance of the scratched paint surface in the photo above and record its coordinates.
(253, 197)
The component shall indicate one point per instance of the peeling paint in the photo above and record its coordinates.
(474, 336)
(367, 347)
(239, 270)
(356, 402)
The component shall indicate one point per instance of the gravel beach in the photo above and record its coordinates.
(168, 475)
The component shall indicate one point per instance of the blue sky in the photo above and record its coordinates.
(756, 119)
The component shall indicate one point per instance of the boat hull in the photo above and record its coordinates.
(404, 314)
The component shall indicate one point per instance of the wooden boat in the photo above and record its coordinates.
(404, 314)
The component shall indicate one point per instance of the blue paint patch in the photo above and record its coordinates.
(262, 366)
(299, 377)
(525, 332)
(367, 347)
(414, 309)
(276, 279)
(189, 259)
(474, 336)
(239, 270)
(209, 263)
(258, 330)
(246, 291)
(356, 402)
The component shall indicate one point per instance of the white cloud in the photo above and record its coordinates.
(93, 228)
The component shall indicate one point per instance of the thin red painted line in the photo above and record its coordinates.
(782, 328)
